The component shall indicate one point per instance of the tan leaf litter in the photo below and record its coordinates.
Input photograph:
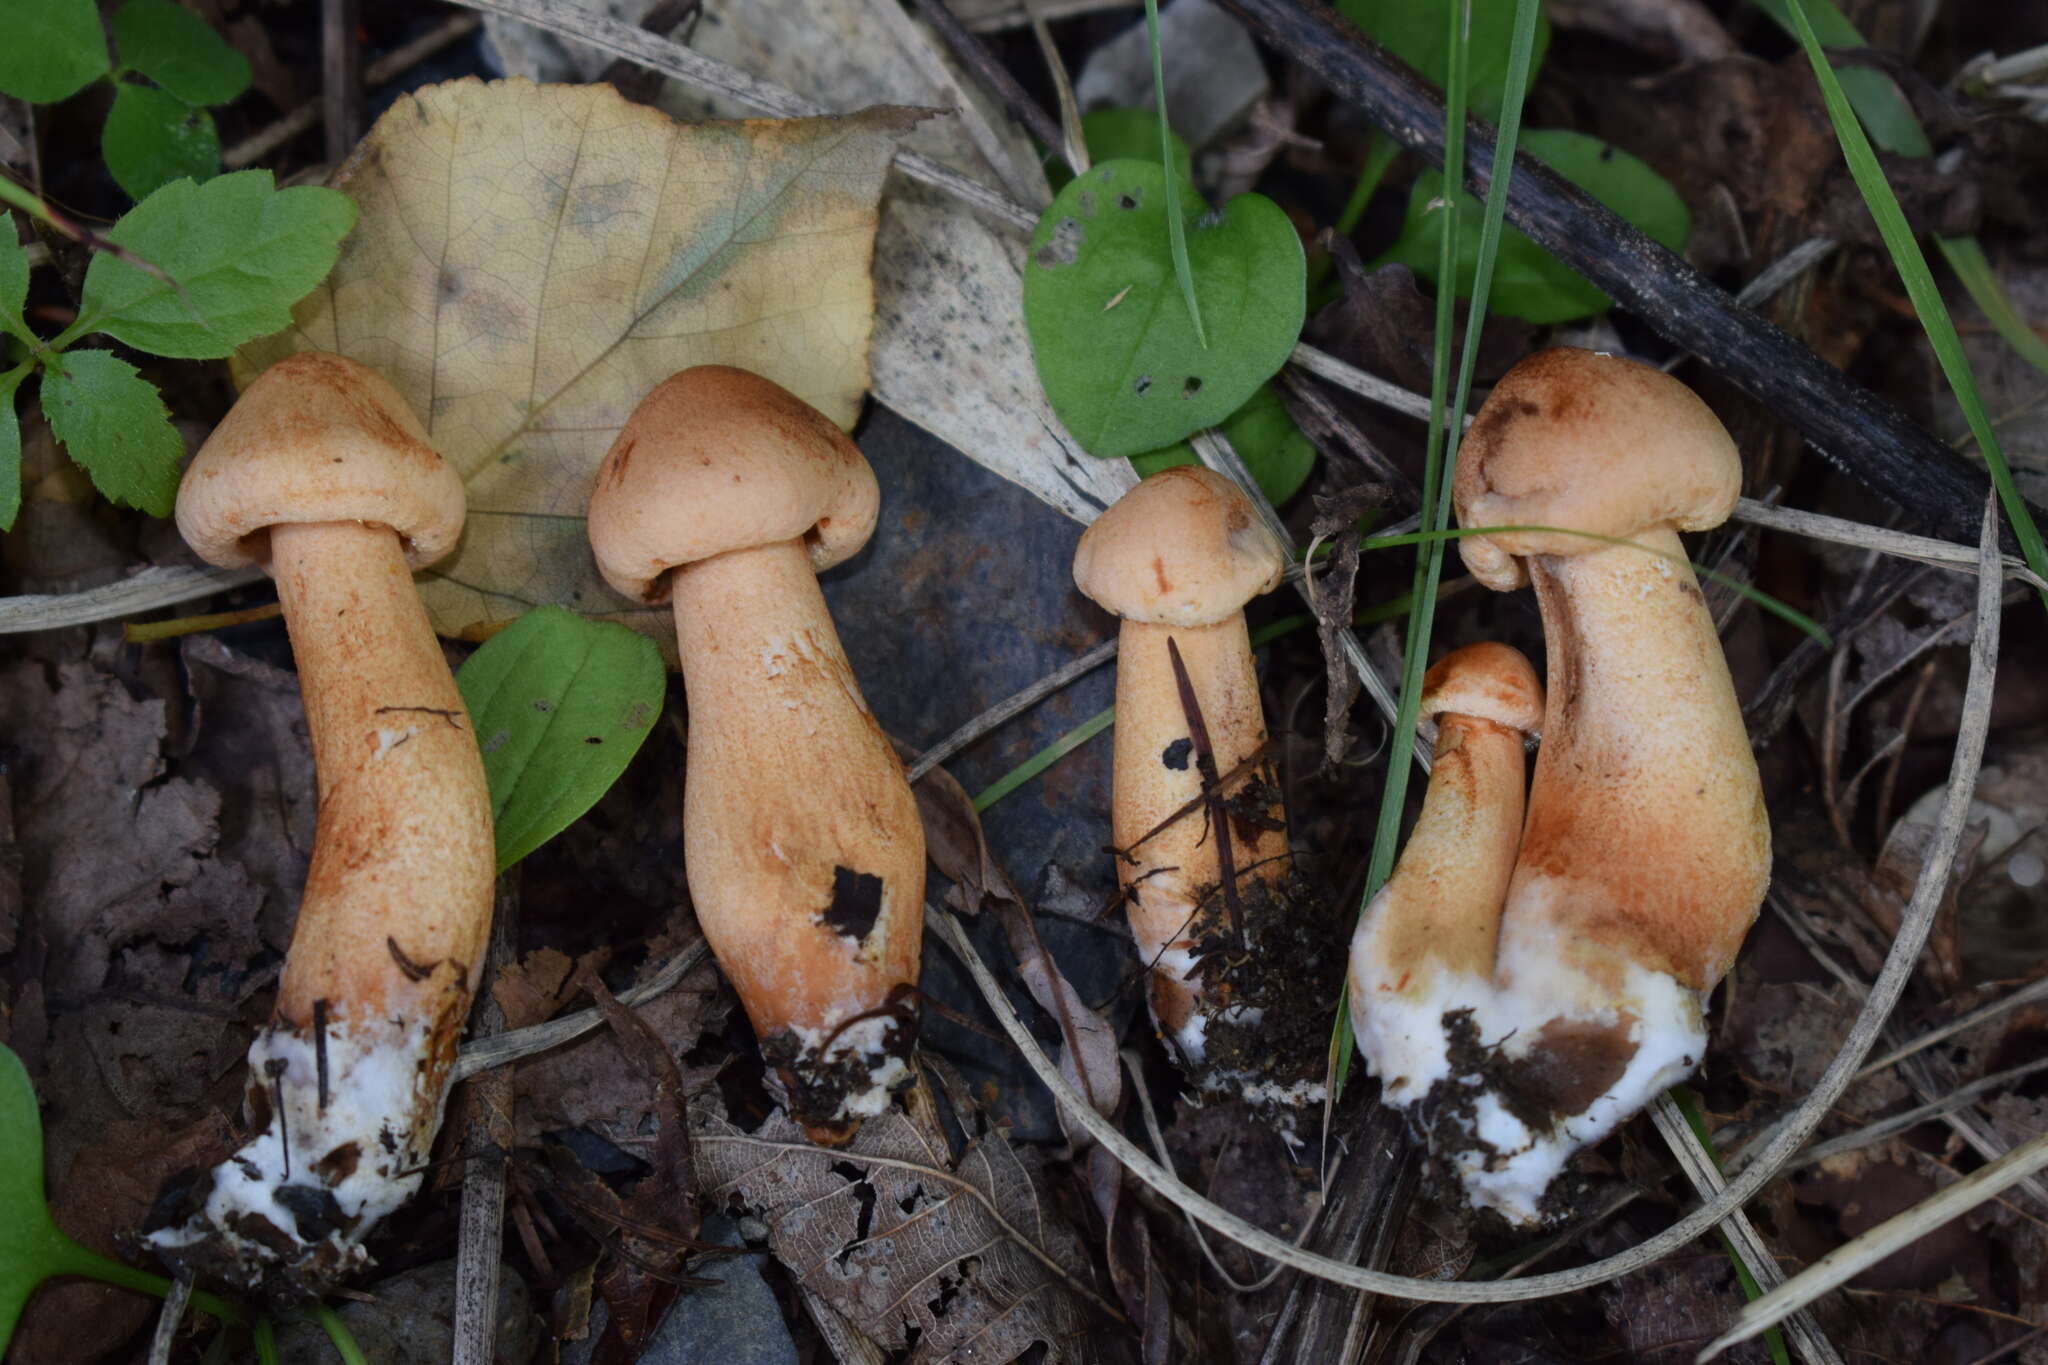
(531, 259)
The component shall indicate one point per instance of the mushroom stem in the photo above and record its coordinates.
(1644, 749)
(404, 807)
(1173, 878)
(1426, 944)
(347, 1082)
(788, 771)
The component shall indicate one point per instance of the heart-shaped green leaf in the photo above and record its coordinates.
(1109, 330)
(560, 705)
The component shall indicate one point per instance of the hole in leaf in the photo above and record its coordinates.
(1144, 383)
(1127, 201)
(1192, 387)
(1062, 248)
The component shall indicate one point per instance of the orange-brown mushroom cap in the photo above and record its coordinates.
(1489, 681)
(1589, 442)
(318, 438)
(718, 459)
(1183, 548)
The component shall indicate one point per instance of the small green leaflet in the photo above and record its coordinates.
(1113, 343)
(53, 48)
(1265, 437)
(10, 447)
(32, 1247)
(1115, 134)
(560, 705)
(113, 423)
(153, 138)
(241, 252)
(13, 287)
(1529, 283)
(179, 51)
(1418, 32)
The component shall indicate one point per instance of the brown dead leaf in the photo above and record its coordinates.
(103, 834)
(950, 1259)
(592, 1080)
(531, 259)
(531, 990)
(959, 850)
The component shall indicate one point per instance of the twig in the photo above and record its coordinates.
(392, 64)
(144, 590)
(481, 1054)
(975, 55)
(1010, 706)
(1912, 1118)
(1742, 1235)
(176, 1300)
(1845, 1262)
(341, 76)
(1860, 433)
(2025, 995)
(480, 1247)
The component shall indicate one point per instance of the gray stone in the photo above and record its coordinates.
(412, 1322)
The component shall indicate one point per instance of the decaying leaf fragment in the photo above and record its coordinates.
(918, 1250)
(530, 260)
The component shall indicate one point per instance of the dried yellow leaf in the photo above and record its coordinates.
(530, 260)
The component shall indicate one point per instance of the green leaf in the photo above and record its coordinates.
(31, 1247)
(1265, 437)
(53, 48)
(1114, 345)
(241, 253)
(1965, 256)
(1920, 288)
(13, 285)
(560, 705)
(179, 51)
(10, 447)
(1529, 282)
(1886, 114)
(1118, 135)
(1418, 32)
(153, 138)
(113, 423)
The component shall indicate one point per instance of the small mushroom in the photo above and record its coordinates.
(1243, 974)
(1425, 946)
(322, 475)
(725, 495)
(1646, 849)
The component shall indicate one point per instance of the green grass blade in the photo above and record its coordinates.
(1919, 281)
(1890, 121)
(1446, 422)
(1965, 256)
(1176, 225)
(1689, 1106)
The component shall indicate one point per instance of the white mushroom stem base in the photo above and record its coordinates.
(346, 1085)
(301, 1193)
(801, 839)
(1506, 1078)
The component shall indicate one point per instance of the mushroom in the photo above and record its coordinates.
(725, 495)
(1646, 849)
(1425, 946)
(1241, 953)
(322, 475)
